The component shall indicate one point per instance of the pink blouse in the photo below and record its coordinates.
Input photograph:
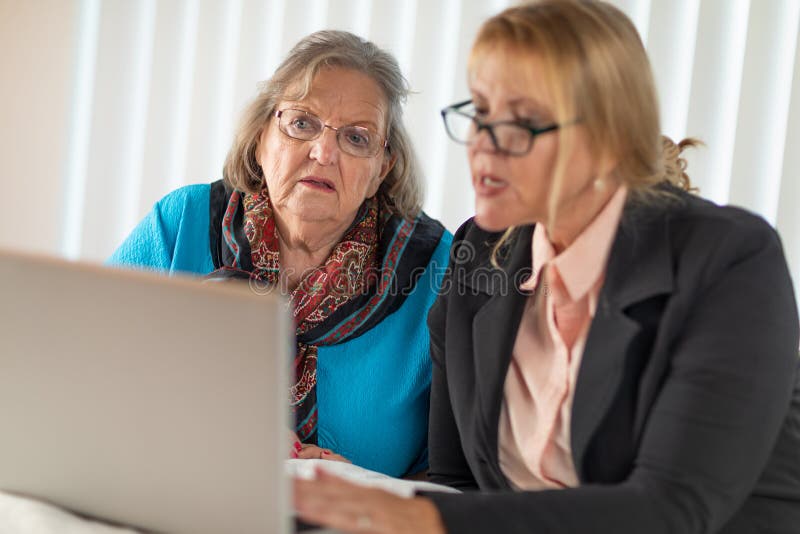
(534, 433)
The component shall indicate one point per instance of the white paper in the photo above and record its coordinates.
(358, 475)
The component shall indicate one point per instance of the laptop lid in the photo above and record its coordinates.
(150, 401)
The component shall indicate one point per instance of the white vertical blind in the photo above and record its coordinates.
(672, 34)
(114, 119)
(788, 220)
(714, 100)
(392, 28)
(433, 75)
(156, 88)
(133, 155)
(77, 153)
(764, 105)
(176, 115)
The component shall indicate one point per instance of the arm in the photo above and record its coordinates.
(713, 425)
(149, 245)
(173, 237)
(448, 465)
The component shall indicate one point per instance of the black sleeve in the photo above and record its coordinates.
(711, 430)
(446, 458)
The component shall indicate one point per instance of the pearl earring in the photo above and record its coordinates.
(599, 184)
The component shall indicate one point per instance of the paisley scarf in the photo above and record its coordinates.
(366, 277)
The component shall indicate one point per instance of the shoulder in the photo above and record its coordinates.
(429, 239)
(697, 247)
(700, 228)
(704, 216)
(431, 230)
(184, 200)
(477, 253)
(694, 228)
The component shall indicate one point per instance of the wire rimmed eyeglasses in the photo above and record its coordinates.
(355, 140)
(512, 137)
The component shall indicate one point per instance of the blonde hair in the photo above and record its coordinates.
(597, 71)
(402, 188)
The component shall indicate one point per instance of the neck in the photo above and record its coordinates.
(305, 245)
(576, 215)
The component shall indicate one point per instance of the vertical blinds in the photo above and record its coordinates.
(158, 87)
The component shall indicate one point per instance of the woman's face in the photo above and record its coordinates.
(515, 190)
(314, 181)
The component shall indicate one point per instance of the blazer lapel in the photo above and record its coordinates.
(494, 329)
(639, 267)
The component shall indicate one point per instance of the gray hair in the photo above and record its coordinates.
(402, 187)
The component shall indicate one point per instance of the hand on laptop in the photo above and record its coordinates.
(333, 502)
(306, 451)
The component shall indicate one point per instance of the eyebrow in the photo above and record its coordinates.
(529, 103)
(307, 109)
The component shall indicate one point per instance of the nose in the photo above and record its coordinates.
(482, 142)
(325, 148)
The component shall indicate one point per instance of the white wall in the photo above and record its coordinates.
(106, 105)
(36, 40)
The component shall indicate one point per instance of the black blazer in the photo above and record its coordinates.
(686, 413)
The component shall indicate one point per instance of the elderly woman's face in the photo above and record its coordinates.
(315, 181)
(514, 190)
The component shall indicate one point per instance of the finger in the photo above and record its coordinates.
(333, 488)
(294, 445)
(329, 455)
(325, 477)
(316, 503)
(310, 452)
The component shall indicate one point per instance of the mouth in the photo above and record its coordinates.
(320, 184)
(488, 185)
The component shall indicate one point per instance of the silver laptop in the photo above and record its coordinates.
(142, 400)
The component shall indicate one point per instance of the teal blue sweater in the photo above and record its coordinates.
(372, 391)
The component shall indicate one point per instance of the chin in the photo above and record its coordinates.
(491, 222)
(314, 210)
(492, 218)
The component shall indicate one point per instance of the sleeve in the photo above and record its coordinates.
(173, 237)
(438, 270)
(448, 465)
(712, 427)
(150, 245)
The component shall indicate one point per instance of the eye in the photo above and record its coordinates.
(478, 108)
(534, 120)
(357, 137)
(301, 123)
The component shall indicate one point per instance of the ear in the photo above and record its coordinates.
(606, 165)
(259, 145)
(387, 165)
(389, 159)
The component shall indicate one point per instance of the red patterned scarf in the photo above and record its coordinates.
(367, 277)
(349, 271)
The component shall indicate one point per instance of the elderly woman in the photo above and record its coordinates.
(642, 379)
(321, 196)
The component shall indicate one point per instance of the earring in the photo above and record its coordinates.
(599, 184)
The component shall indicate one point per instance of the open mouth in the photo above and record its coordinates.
(492, 182)
(488, 185)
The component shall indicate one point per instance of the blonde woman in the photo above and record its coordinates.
(641, 379)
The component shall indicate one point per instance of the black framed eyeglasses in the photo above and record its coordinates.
(355, 140)
(513, 138)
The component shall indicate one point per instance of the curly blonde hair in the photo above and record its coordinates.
(591, 54)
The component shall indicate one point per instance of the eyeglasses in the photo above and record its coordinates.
(354, 140)
(513, 138)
